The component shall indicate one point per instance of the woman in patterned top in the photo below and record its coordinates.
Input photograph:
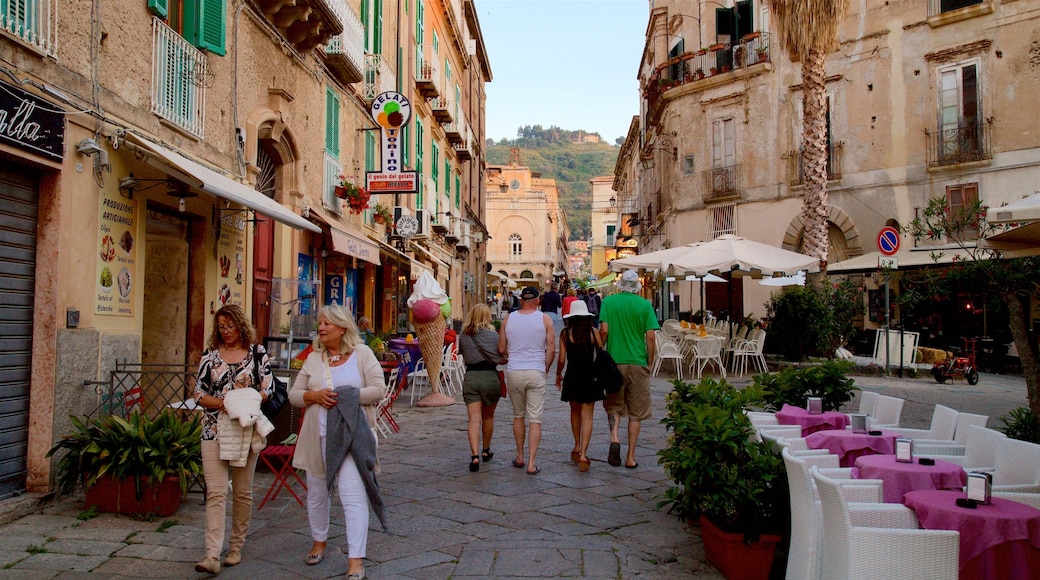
(232, 361)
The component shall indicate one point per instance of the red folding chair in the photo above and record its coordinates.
(279, 458)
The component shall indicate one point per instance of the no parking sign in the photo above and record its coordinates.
(888, 240)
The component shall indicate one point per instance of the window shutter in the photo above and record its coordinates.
(205, 28)
(370, 151)
(331, 122)
(159, 7)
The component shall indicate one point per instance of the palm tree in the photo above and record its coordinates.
(809, 28)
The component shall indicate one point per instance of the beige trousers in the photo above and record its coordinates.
(216, 473)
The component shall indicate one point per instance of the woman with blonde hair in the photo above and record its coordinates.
(339, 384)
(481, 388)
(232, 360)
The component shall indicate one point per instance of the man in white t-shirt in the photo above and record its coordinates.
(528, 340)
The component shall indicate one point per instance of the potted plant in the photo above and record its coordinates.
(131, 465)
(699, 73)
(382, 214)
(735, 486)
(356, 196)
(791, 386)
(763, 53)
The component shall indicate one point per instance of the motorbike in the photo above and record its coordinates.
(958, 366)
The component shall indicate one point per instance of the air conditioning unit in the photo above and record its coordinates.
(454, 231)
(425, 221)
(465, 236)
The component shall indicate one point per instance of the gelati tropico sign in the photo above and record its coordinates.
(391, 111)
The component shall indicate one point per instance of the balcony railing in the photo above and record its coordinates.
(441, 108)
(330, 177)
(179, 78)
(379, 77)
(426, 75)
(345, 52)
(834, 152)
(464, 146)
(34, 22)
(955, 145)
(693, 67)
(722, 183)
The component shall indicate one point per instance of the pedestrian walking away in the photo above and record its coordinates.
(527, 339)
(578, 343)
(627, 325)
(481, 388)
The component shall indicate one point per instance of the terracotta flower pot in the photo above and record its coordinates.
(379, 219)
(340, 191)
(120, 497)
(733, 557)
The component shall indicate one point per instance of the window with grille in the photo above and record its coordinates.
(722, 219)
(516, 247)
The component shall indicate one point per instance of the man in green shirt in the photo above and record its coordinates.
(627, 325)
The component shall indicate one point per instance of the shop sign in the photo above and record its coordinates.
(334, 289)
(231, 251)
(391, 111)
(116, 255)
(31, 123)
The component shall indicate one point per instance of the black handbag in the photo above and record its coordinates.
(279, 394)
(605, 373)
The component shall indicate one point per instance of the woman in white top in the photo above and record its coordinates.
(338, 360)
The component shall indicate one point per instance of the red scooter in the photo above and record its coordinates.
(960, 366)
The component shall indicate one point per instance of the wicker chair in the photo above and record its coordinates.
(1018, 467)
(943, 427)
(978, 454)
(887, 411)
(960, 433)
(888, 547)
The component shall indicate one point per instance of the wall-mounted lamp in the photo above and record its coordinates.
(182, 191)
(129, 184)
(612, 201)
(88, 147)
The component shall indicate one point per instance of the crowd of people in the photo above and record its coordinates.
(341, 381)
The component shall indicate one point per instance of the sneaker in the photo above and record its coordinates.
(233, 557)
(208, 564)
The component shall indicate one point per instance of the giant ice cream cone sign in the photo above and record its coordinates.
(425, 302)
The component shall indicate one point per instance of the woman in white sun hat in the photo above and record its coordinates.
(578, 341)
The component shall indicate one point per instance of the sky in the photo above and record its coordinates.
(569, 63)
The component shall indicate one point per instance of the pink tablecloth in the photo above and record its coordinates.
(999, 540)
(811, 422)
(849, 446)
(900, 478)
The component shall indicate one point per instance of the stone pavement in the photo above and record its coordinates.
(446, 521)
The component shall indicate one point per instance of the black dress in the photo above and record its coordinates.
(576, 385)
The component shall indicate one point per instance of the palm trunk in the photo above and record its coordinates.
(814, 156)
(1026, 354)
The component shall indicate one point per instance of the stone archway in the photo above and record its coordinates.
(844, 235)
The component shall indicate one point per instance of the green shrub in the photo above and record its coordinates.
(1021, 423)
(792, 386)
(812, 320)
(738, 484)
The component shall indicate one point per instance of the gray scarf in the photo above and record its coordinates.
(348, 432)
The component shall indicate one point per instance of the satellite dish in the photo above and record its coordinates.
(487, 266)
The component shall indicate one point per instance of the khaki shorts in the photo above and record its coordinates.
(527, 394)
(633, 400)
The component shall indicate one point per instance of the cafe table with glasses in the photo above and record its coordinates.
(849, 445)
(998, 540)
(902, 477)
(811, 422)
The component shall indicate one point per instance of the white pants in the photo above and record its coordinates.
(354, 498)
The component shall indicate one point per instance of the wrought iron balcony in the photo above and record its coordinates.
(722, 183)
(34, 22)
(379, 77)
(456, 130)
(426, 74)
(964, 144)
(797, 167)
(180, 75)
(441, 108)
(345, 52)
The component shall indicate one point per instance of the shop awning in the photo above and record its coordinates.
(352, 245)
(429, 255)
(905, 259)
(215, 184)
(1021, 242)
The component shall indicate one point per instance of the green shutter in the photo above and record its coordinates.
(331, 122)
(435, 165)
(419, 160)
(458, 193)
(364, 23)
(205, 24)
(406, 140)
(158, 7)
(370, 151)
(447, 176)
(377, 25)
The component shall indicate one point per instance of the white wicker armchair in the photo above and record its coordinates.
(943, 427)
(881, 548)
(978, 454)
(887, 411)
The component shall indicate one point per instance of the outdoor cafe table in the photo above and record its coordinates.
(401, 345)
(900, 478)
(999, 540)
(811, 422)
(849, 445)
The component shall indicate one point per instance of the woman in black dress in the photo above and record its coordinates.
(578, 341)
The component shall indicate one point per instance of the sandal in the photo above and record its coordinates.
(583, 464)
(474, 463)
(576, 456)
(487, 454)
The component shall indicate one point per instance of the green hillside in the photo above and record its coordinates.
(558, 154)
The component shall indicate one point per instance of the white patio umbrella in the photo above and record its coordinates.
(731, 253)
(658, 261)
(796, 280)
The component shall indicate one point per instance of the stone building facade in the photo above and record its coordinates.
(926, 99)
(162, 158)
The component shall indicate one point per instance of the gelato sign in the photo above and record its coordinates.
(391, 111)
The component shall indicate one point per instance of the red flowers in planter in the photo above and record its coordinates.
(355, 196)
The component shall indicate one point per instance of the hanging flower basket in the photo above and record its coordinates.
(355, 196)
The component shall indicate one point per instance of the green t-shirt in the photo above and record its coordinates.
(628, 317)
